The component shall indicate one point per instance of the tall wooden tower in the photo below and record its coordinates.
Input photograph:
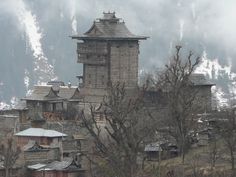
(109, 53)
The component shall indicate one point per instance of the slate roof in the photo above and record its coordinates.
(65, 164)
(36, 166)
(152, 147)
(47, 93)
(43, 93)
(200, 79)
(109, 27)
(68, 92)
(59, 165)
(39, 132)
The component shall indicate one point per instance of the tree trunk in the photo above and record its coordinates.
(232, 162)
(183, 149)
(7, 172)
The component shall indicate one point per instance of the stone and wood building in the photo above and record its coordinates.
(109, 54)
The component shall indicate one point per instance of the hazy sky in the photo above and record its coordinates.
(197, 24)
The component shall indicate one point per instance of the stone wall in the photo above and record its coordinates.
(9, 124)
(124, 62)
(42, 156)
(95, 76)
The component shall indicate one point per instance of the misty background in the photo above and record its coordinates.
(35, 44)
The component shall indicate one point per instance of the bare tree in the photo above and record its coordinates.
(213, 152)
(10, 154)
(227, 130)
(175, 83)
(120, 141)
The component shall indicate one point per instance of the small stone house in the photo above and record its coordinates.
(39, 145)
(39, 135)
(54, 103)
(45, 100)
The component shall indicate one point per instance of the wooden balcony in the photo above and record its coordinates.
(92, 48)
(92, 59)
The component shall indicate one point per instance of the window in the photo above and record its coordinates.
(54, 107)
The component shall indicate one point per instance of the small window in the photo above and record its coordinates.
(54, 107)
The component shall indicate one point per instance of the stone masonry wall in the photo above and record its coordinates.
(124, 62)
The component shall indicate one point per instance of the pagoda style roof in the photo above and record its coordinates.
(43, 93)
(69, 93)
(109, 28)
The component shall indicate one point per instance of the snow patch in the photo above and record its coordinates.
(26, 79)
(42, 69)
(73, 17)
(4, 106)
(14, 101)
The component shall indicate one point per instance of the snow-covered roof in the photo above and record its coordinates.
(152, 147)
(36, 166)
(39, 132)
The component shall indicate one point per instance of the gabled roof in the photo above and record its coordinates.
(39, 132)
(33, 146)
(47, 93)
(65, 164)
(56, 165)
(110, 28)
(69, 92)
(43, 93)
(36, 166)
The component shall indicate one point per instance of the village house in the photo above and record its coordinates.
(40, 145)
(53, 102)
